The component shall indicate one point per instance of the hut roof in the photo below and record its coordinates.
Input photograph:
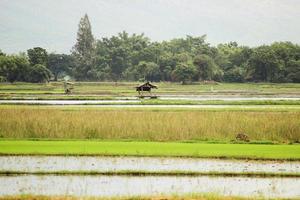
(147, 84)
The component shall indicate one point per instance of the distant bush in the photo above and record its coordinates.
(39, 74)
(2, 79)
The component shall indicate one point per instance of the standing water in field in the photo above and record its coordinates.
(132, 100)
(67, 102)
(113, 186)
(149, 164)
(228, 97)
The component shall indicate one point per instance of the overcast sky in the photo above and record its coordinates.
(52, 24)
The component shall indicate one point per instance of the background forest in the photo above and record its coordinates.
(135, 57)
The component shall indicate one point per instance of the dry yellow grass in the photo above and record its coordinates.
(148, 125)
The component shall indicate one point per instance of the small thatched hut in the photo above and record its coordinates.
(145, 87)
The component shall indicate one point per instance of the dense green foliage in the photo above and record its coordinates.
(39, 73)
(60, 64)
(135, 58)
(37, 56)
(18, 68)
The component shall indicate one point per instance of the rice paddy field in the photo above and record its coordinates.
(106, 89)
(103, 142)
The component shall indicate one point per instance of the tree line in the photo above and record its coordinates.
(126, 57)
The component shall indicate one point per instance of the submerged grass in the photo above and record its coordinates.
(232, 108)
(209, 196)
(220, 102)
(159, 149)
(166, 102)
(147, 124)
(154, 173)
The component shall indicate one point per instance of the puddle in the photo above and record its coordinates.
(112, 186)
(150, 164)
(66, 102)
(189, 106)
(224, 98)
(136, 100)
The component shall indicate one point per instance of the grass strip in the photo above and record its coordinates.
(220, 102)
(206, 196)
(153, 173)
(221, 108)
(161, 102)
(157, 149)
(164, 87)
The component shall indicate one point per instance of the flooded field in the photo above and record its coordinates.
(188, 106)
(131, 100)
(228, 97)
(149, 164)
(114, 186)
(158, 175)
(66, 102)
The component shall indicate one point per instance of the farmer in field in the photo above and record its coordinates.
(68, 87)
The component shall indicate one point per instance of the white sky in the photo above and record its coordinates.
(52, 24)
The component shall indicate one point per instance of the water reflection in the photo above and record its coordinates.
(109, 186)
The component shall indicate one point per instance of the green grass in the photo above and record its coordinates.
(119, 148)
(161, 102)
(127, 88)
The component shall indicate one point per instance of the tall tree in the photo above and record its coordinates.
(264, 64)
(148, 71)
(39, 74)
(293, 71)
(1, 53)
(14, 68)
(84, 49)
(37, 55)
(8, 69)
(184, 73)
(207, 69)
(59, 64)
